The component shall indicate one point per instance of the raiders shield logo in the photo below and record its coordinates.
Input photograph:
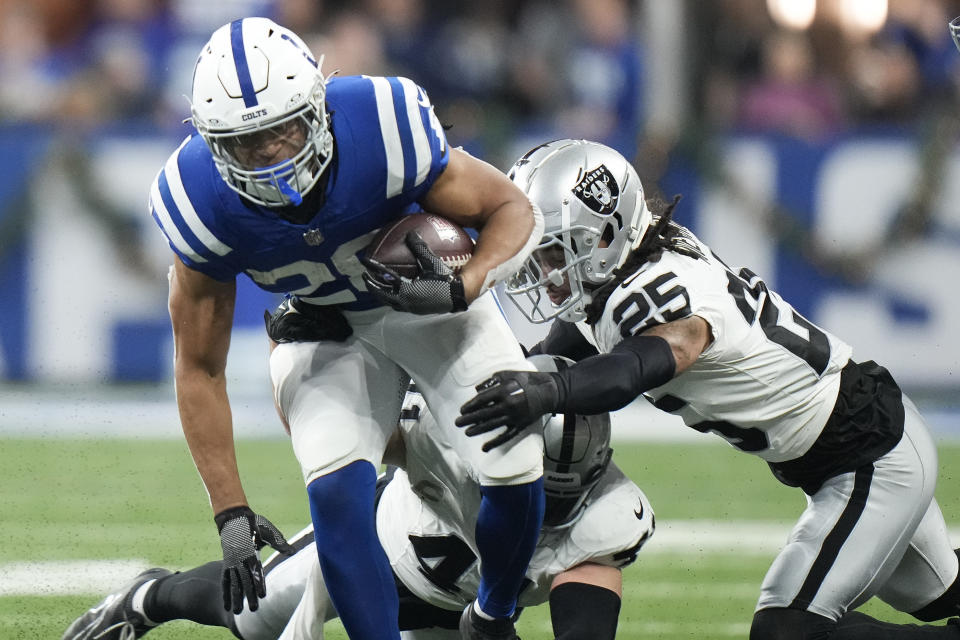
(598, 190)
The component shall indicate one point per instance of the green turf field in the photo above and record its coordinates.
(70, 500)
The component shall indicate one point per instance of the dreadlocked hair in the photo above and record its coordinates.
(663, 235)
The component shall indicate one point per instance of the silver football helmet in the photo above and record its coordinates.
(258, 101)
(575, 456)
(954, 26)
(594, 214)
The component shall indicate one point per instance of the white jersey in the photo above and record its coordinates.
(427, 516)
(768, 381)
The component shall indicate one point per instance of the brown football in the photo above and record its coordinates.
(445, 238)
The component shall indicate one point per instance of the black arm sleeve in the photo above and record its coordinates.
(584, 612)
(611, 381)
(564, 339)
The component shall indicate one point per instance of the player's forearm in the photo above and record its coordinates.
(208, 428)
(564, 339)
(611, 381)
(508, 236)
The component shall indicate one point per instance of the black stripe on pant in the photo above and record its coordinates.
(835, 539)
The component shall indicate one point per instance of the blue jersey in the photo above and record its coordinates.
(389, 150)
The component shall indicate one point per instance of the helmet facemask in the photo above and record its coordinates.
(551, 281)
(303, 136)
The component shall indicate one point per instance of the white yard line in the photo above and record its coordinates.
(726, 536)
(687, 537)
(66, 577)
(718, 536)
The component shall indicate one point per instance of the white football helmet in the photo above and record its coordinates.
(954, 27)
(576, 453)
(258, 102)
(594, 214)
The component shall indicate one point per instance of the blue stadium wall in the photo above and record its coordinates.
(859, 233)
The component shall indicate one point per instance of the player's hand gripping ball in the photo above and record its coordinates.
(446, 240)
(413, 264)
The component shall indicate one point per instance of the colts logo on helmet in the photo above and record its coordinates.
(598, 190)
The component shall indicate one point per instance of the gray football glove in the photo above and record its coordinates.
(436, 289)
(242, 534)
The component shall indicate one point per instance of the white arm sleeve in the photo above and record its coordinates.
(513, 264)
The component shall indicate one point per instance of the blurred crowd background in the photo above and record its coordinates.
(93, 97)
(502, 69)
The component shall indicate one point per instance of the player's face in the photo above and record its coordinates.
(551, 259)
(268, 147)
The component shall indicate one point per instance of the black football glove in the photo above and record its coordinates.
(435, 289)
(511, 399)
(242, 534)
(296, 321)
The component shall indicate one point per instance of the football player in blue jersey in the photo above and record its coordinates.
(289, 176)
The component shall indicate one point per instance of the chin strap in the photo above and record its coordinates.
(291, 193)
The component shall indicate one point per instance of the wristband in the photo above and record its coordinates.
(457, 294)
(234, 512)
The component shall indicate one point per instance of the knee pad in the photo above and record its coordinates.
(520, 463)
(789, 624)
